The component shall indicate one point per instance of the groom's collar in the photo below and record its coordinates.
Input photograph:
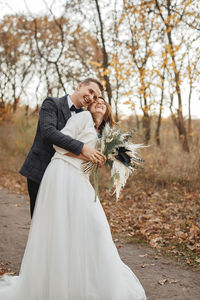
(70, 103)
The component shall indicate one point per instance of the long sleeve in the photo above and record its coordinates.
(75, 125)
(48, 123)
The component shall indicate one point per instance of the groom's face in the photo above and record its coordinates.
(87, 94)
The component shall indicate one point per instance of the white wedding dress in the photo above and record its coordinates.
(70, 254)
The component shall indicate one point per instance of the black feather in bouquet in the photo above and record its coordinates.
(121, 157)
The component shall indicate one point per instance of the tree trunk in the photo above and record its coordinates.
(15, 104)
(189, 114)
(157, 133)
(173, 116)
(26, 110)
(182, 132)
(137, 121)
(146, 122)
(105, 56)
(179, 122)
(36, 110)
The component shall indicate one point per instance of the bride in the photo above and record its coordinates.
(70, 254)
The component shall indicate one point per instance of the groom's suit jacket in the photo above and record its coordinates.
(53, 116)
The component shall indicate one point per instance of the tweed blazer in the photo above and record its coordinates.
(53, 116)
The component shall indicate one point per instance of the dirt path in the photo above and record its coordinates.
(161, 278)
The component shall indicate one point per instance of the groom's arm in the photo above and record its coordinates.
(48, 126)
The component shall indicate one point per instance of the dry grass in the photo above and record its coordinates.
(15, 142)
(169, 164)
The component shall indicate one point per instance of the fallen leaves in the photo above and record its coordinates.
(146, 265)
(164, 281)
(5, 270)
(143, 255)
(174, 281)
(169, 223)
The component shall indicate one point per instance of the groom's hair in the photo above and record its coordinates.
(88, 80)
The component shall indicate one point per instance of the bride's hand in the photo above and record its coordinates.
(93, 155)
(102, 163)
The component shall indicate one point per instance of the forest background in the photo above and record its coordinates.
(146, 53)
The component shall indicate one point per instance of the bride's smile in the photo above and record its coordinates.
(98, 107)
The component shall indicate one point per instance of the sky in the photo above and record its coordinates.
(20, 6)
(39, 7)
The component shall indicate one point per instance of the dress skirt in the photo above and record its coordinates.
(70, 254)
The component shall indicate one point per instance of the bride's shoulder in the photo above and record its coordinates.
(85, 116)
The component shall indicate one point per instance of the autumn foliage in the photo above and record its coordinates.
(145, 52)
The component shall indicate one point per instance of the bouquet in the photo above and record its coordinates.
(121, 157)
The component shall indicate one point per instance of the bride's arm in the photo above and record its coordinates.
(80, 156)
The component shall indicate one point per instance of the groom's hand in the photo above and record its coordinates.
(93, 155)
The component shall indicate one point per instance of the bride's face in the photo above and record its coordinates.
(98, 107)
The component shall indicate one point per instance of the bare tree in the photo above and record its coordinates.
(169, 26)
(157, 133)
(140, 47)
(17, 59)
(193, 63)
(105, 62)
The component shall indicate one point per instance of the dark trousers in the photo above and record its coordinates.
(32, 190)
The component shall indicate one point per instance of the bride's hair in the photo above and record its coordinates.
(108, 117)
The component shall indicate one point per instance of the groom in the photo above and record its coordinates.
(54, 114)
